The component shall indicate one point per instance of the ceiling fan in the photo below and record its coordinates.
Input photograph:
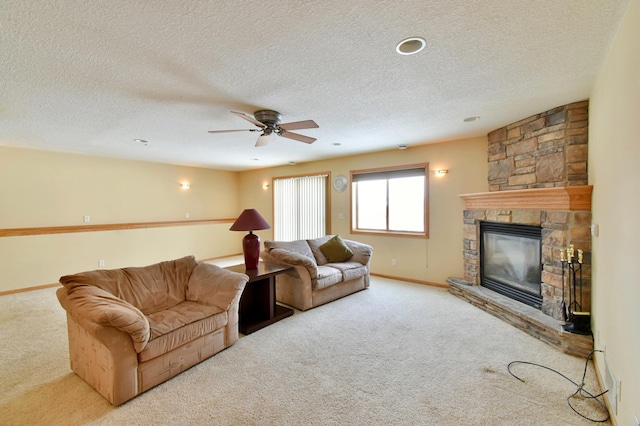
(268, 122)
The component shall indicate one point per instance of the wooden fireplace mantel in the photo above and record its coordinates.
(557, 198)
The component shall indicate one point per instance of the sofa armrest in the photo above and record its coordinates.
(93, 306)
(361, 252)
(214, 286)
(286, 257)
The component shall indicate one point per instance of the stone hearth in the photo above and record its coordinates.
(523, 317)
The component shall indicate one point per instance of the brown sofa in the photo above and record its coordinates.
(315, 280)
(133, 328)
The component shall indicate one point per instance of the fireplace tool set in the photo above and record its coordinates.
(574, 318)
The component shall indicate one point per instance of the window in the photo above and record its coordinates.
(391, 201)
(300, 207)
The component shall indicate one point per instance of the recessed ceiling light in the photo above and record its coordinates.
(402, 147)
(336, 144)
(470, 119)
(411, 45)
(141, 141)
(292, 163)
(255, 159)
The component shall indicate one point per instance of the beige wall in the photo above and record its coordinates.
(43, 189)
(429, 260)
(614, 156)
(56, 189)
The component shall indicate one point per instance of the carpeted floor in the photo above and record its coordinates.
(396, 354)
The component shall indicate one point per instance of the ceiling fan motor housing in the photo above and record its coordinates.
(268, 117)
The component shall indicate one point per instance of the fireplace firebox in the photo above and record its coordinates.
(510, 261)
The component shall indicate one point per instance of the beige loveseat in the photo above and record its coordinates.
(315, 280)
(133, 328)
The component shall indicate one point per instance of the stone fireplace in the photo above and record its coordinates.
(537, 177)
(564, 215)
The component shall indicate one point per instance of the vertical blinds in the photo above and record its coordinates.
(299, 207)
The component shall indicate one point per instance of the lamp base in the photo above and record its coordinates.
(251, 250)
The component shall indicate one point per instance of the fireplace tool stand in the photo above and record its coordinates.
(575, 319)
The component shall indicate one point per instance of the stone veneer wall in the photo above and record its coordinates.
(544, 150)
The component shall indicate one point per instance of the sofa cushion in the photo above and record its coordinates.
(180, 324)
(350, 270)
(299, 247)
(327, 276)
(361, 252)
(315, 244)
(149, 288)
(335, 250)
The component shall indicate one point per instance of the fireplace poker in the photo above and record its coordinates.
(563, 306)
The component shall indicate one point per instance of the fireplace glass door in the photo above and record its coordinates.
(510, 261)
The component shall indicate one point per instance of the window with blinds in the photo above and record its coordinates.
(300, 207)
(391, 201)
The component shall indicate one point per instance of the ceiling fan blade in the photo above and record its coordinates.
(297, 125)
(298, 137)
(249, 118)
(237, 130)
(263, 140)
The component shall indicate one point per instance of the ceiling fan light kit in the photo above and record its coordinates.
(268, 121)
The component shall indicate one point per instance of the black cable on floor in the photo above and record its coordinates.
(580, 387)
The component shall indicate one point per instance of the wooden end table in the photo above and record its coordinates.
(258, 307)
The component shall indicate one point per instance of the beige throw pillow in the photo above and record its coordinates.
(335, 250)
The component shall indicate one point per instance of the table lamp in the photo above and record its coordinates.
(250, 220)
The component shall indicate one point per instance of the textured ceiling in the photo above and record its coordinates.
(90, 77)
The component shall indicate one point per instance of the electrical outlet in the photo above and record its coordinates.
(637, 421)
(186, 215)
(86, 219)
(100, 263)
(394, 262)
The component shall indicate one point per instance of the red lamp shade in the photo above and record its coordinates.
(250, 220)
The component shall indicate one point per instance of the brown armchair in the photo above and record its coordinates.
(133, 328)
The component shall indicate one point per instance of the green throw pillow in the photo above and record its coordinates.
(335, 250)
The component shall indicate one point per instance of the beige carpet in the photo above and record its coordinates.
(396, 354)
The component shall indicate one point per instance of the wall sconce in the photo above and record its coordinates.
(185, 185)
(265, 186)
(440, 172)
